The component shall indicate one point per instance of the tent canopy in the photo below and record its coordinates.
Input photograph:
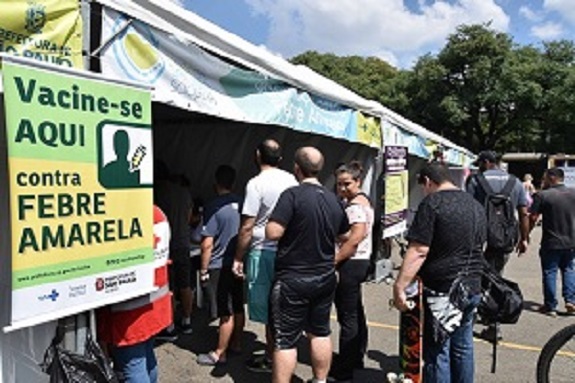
(187, 26)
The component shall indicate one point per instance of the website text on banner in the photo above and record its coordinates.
(80, 174)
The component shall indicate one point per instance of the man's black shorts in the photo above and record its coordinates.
(225, 293)
(180, 269)
(300, 304)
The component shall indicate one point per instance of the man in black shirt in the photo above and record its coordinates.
(445, 249)
(557, 206)
(306, 220)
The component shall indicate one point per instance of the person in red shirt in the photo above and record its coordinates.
(127, 329)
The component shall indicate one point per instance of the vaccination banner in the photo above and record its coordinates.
(394, 220)
(80, 175)
(191, 78)
(44, 30)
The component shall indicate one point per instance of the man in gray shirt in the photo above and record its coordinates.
(557, 206)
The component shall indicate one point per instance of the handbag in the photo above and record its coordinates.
(501, 299)
(65, 366)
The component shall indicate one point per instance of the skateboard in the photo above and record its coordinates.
(411, 337)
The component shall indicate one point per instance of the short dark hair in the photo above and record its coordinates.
(436, 172)
(556, 172)
(308, 167)
(354, 168)
(270, 152)
(225, 176)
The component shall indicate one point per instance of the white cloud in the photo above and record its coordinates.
(370, 27)
(547, 31)
(530, 14)
(563, 7)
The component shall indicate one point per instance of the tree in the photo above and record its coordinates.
(370, 77)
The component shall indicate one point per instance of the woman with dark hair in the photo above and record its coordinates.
(352, 262)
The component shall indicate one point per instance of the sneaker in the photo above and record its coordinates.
(570, 308)
(167, 336)
(210, 359)
(259, 363)
(549, 312)
(186, 328)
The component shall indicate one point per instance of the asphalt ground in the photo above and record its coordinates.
(516, 355)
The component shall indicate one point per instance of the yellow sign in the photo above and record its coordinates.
(43, 30)
(80, 167)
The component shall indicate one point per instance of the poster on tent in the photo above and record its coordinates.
(43, 30)
(189, 77)
(396, 193)
(80, 176)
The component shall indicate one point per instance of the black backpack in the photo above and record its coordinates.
(502, 226)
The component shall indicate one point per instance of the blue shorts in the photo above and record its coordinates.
(260, 276)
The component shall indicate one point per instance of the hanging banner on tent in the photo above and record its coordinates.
(394, 220)
(186, 76)
(80, 177)
(43, 30)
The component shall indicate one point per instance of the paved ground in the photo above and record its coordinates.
(517, 354)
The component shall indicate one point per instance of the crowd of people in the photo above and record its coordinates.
(298, 248)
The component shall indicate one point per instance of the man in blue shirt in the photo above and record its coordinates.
(224, 290)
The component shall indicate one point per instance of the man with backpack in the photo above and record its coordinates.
(505, 202)
(504, 199)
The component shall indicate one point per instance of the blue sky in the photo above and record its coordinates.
(398, 31)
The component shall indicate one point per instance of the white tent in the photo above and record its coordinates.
(188, 27)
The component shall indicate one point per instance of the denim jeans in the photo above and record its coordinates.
(453, 360)
(551, 261)
(136, 363)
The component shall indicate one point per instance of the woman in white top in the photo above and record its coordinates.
(352, 262)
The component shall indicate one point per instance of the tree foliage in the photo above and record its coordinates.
(481, 90)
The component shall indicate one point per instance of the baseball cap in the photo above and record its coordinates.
(485, 155)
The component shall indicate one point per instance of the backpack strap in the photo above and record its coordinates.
(506, 191)
(482, 181)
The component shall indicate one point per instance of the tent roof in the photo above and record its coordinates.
(171, 18)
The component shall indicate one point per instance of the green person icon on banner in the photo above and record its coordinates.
(125, 156)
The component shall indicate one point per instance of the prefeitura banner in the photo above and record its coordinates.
(396, 191)
(80, 175)
(43, 30)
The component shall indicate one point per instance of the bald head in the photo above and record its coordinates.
(269, 152)
(309, 160)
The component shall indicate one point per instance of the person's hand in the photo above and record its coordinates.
(522, 247)
(204, 277)
(399, 298)
(238, 268)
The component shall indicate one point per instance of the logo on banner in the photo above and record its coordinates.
(53, 296)
(113, 283)
(35, 18)
(76, 291)
(125, 156)
(136, 53)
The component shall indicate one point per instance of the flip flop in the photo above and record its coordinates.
(209, 359)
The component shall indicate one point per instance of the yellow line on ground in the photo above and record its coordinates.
(509, 345)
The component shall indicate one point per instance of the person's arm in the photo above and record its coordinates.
(412, 262)
(244, 239)
(534, 211)
(207, 246)
(349, 246)
(274, 230)
(524, 227)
